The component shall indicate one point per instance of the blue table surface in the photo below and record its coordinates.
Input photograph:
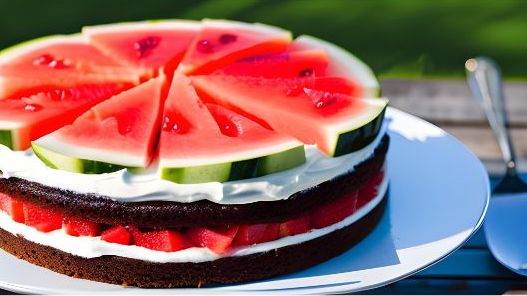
(469, 270)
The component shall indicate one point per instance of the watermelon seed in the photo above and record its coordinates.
(44, 59)
(59, 64)
(59, 94)
(145, 46)
(308, 72)
(204, 46)
(33, 107)
(227, 38)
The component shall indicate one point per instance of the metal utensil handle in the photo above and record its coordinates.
(484, 78)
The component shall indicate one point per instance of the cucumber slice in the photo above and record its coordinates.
(238, 170)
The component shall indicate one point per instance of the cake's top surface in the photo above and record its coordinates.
(236, 113)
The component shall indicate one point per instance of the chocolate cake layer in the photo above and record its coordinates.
(132, 272)
(162, 214)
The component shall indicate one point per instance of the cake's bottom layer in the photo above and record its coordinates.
(125, 271)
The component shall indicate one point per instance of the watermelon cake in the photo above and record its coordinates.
(181, 153)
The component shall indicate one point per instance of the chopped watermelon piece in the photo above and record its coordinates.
(146, 45)
(160, 240)
(256, 234)
(118, 133)
(217, 239)
(334, 212)
(296, 226)
(341, 63)
(27, 119)
(42, 219)
(337, 123)
(12, 207)
(118, 235)
(369, 190)
(305, 63)
(220, 43)
(242, 148)
(79, 227)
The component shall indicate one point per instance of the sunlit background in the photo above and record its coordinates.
(402, 39)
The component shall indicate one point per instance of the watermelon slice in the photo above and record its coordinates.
(118, 133)
(27, 119)
(242, 148)
(302, 63)
(13, 207)
(57, 62)
(312, 112)
(342, 63)
(145, 45)
(223, 42)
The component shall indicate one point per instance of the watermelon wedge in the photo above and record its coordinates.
(118, 133)
(150, 45)
(220, 43)
(242, 148)
(57, 61)
(342, 63)
(302, 63)
(337, 123)
(27, 119)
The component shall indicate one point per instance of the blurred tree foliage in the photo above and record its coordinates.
(404, 38)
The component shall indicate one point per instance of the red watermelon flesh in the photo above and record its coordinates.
(216, 239)
(125, 125)
(305, 63)
(13, 207)
(221, 43)
(38, 115)
(191, 128)
(320, 112)
(149, 45)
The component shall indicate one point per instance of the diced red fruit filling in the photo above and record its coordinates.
(145, 46)
(78, 227)
(42, 219)
(160, 240)
(296, 226)
(118, 235)
(218, 239)
(12, 207)
(334, 212)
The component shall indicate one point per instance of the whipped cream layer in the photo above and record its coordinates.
(92, 247)
(126, 187)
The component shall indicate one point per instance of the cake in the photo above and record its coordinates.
(181, 154)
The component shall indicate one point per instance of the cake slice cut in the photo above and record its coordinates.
(118, 133)
(204, 143)
(315, 111)
(152, 46)
(221, 43)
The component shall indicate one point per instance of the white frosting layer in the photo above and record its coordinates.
(91, 247)
(127, 187)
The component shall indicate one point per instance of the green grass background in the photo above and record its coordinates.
(404, 38)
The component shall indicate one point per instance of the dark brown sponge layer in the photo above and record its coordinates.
(124, 271)
(160, 214)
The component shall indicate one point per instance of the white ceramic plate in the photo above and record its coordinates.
(439, 194)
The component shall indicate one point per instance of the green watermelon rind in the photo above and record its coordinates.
(358, 138)
(237, 170)
(6, 139)
(354, 66)
(60, 161)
